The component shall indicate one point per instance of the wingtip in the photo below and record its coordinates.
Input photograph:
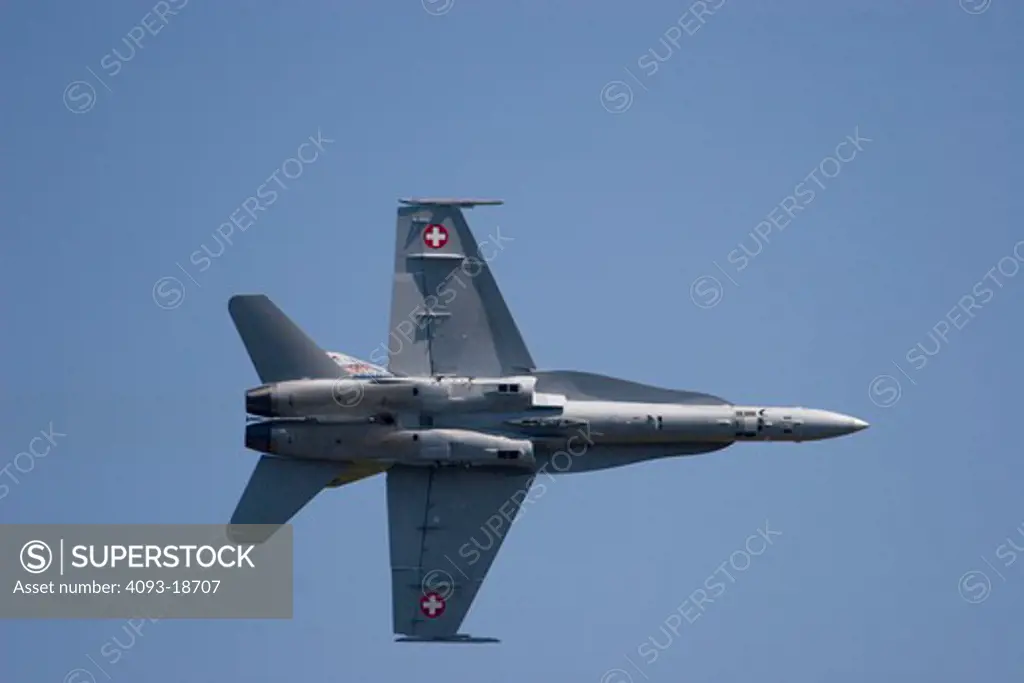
(449, 201)
(458, 638)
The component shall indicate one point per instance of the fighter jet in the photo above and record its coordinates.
(461, 420)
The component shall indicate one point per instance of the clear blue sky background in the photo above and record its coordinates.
(613, 216)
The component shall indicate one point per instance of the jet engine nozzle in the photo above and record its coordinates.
(259, 401)
(258, 437)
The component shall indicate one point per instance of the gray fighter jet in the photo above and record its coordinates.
(461, 420)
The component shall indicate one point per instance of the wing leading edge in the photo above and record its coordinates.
(446, 526)
(447, 313)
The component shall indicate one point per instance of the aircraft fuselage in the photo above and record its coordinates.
(503, 422)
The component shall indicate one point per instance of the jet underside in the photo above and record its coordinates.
(453, 408)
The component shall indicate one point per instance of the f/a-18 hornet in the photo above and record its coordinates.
(461, 420)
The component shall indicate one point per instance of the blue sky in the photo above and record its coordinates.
(630, 185)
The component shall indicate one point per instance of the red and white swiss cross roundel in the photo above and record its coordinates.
(435, 236)
(432, 605)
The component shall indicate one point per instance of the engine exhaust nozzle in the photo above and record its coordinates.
(259, 402)
(258, 437)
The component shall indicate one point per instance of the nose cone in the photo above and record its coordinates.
(824, 424)
(856, 425)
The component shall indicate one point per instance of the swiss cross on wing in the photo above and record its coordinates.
(435, 235)
(432, 605)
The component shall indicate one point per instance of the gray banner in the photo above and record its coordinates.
(160, 571)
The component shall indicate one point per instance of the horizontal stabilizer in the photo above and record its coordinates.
(279, 350)
(277, 490)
